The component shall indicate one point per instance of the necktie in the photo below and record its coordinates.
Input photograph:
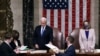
(9, 46)
(42, 31)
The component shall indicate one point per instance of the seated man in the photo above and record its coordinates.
(5, 48)
(70, 50)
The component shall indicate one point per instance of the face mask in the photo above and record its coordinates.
(86, 25)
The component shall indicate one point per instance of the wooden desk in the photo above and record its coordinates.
(39, 54)
(49, 54)
(98, 54)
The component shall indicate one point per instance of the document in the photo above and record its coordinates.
(38, 51)
(23, 51)
(53, 47)
(23, 48)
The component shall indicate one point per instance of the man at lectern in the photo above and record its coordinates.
(43, 34)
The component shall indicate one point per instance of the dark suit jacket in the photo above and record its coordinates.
(69, 52)
(13, 45)
(6, 50)
(44, 39)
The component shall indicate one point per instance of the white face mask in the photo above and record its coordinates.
(86, 24)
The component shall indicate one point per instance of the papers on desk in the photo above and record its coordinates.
(38, 51)
(54, 48)
(25, 51)
(32, 51)
(22, 48)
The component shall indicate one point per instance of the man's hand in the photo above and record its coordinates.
(36, 46)
(53, 55)
(56, 51)
(16, 51)
(50, 42)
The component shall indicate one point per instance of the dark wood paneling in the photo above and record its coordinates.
(28, 22)
(6, 17)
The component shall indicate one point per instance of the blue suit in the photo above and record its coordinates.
(46, 37)
(68, 52)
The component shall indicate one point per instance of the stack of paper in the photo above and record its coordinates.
(54, 48)
(22, 47)
(25, 51)
(38, 51)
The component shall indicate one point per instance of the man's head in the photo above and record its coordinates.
(43, 21)
(70, 39)
(8, 36)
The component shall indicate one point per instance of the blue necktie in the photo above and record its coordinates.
(42, 31)
(87, 34)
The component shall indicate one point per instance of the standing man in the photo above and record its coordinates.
(43, 34)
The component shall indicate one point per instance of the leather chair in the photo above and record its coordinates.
(75, 34)
(58, 39)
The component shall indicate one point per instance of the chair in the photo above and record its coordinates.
(75, 34)
(58, 39)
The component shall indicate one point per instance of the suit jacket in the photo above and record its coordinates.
(68, 52)
(45, 38)
(6, 50)
(84, 42)
(13, 45)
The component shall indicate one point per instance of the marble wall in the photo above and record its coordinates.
(17, 9)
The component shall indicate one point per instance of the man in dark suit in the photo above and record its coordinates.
(43, 34)
(70, 50)
(5, 48)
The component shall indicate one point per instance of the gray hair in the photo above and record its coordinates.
(43, 19)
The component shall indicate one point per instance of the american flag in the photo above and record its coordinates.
(66, 15)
